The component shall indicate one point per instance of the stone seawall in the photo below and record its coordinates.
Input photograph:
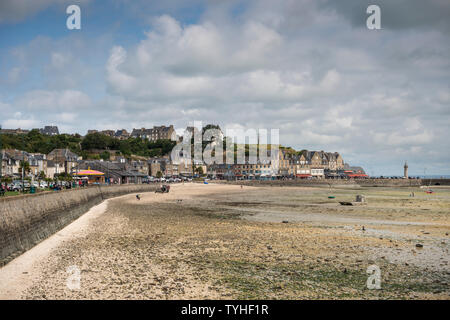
(27, 220)
(328, 182)
(436, 182)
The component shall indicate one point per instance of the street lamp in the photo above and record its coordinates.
(23, 164)
(1, 155)
(107, 173)
(23, 171)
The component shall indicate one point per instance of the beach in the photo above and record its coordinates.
(223, 241)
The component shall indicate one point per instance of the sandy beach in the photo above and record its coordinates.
(220, 241)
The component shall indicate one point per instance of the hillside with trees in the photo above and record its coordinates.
(101, 146)
(35, 142)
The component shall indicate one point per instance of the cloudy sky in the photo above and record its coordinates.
(310, 68)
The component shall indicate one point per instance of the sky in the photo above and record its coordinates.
(310, 68)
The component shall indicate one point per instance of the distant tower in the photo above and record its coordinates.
(405, 170)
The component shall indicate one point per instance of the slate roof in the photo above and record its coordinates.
(63, 155)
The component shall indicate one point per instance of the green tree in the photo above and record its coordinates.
(94, 141)
(64, 176)
(105, 155)
(159, 174)
(6, 180)
(199, 170)
(35, 142)
(41, 176)
(125, 147)
(25, 166)
(210, 126)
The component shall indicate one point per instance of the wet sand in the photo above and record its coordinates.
(222, 242)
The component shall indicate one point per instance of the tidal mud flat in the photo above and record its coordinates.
(223, 242)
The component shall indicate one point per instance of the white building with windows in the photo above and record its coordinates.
(317, 172)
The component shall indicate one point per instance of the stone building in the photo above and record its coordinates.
(64, 160)
(10, 163)
(14, 131)
(181, 169)
(109, 133)
(114, 172)
(122, 134)
(154, 134)
(262, 169)
(49, 130)
(52, 169)
(157, 165)
(221, 171)
(38, 164)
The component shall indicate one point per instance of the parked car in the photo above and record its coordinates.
(43, 185)
(17, 186)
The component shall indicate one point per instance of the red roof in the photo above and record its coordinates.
(357, 175)
(303, 175)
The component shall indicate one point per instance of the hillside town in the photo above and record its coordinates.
(117, 168)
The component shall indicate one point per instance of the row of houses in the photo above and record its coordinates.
(64, 161)
(121, 134)
(122, 170)
(153, 134)
(286, 163)
(311, 164)
(56, 162)
(47, 130)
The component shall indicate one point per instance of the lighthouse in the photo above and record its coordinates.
(405, 170)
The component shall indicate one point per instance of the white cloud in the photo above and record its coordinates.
(211, 61)
(122, 82)
(20, 123)
(318, 139)
(59, 60)
(54, 101)
(330, 81)
(66, 117)
(324, 81)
